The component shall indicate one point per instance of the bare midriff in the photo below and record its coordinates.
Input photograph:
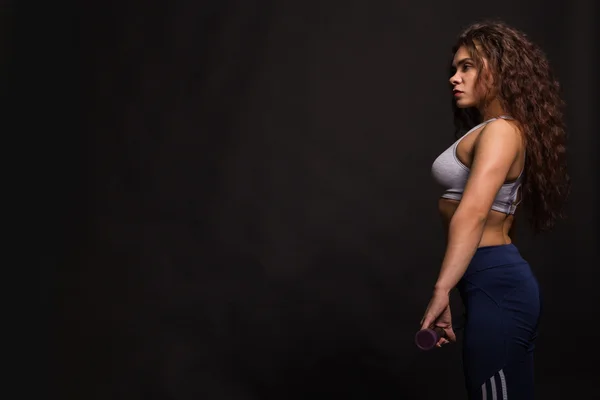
(497, 229)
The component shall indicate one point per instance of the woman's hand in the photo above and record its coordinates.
(438, 314)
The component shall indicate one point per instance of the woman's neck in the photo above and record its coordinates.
(491, 110)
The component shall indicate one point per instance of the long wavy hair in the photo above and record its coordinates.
(519, 75)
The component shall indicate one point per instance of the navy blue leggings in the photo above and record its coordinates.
(502, 303)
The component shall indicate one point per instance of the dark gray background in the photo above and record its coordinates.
(238, 201)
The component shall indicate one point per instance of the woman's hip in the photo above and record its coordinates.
(500, 273)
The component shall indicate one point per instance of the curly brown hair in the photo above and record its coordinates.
(524, 84)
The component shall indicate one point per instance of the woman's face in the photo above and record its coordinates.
(464, 80)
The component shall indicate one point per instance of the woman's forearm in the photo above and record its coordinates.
(464, 234)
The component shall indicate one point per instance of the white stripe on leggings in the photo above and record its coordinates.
(493, 387)
(503, 383)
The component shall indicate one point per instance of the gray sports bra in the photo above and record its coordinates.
(452, 174)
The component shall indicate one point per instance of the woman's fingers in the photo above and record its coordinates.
(450, 334)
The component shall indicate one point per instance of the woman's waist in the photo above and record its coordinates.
(497, 255)
(496, 231)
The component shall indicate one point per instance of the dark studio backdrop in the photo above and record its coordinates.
(239, 202)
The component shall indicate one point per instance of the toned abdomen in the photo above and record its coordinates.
(497, 228)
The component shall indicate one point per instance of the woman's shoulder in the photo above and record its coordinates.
(505, 128)
(500, 134)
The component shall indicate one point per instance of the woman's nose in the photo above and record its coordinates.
(454, 79)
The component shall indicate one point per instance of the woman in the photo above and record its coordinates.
(505, 95)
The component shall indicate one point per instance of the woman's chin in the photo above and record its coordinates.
(460, 103)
